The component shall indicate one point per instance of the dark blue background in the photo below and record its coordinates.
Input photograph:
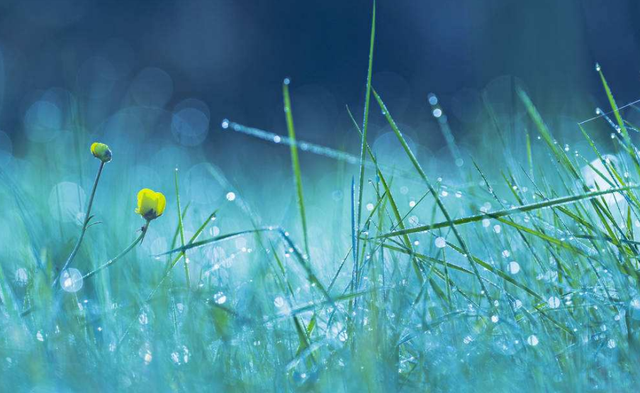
(234, 54)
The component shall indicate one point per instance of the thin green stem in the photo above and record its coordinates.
(123, 253)
(85, 225)
(180, 226)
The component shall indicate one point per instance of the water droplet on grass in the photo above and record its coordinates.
(143, 318)
(513, 267)
(21, 277)
(220, 298)
(553, 302)
(71, 280)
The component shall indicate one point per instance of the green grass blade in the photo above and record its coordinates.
(295, 162)
(365, 121)
(181, 229)
(508, 212)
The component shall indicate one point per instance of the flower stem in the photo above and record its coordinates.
(85, 225)
(123, 253)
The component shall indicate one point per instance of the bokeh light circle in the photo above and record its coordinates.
(96, 77)
(43, 121)
(200, 185)
(66, 202)
(190, 126)
(152, 87)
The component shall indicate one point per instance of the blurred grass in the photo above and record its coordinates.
(445, 293)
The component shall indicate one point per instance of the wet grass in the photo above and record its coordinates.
(524, 281)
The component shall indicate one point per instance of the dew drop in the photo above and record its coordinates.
(71, 280)
(220, 298)
(21, 277)
(553, 302)
(143, 318)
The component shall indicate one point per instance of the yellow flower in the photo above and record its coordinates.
(101, 151)
(151, 204)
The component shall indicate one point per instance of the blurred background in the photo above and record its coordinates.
(232, 56)
(155, 79)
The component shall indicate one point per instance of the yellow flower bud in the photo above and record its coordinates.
(151, 204)
(101, 152)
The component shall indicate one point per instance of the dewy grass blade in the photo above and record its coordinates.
(295, 162)
(612, 102)
(354, 224)
(424, 177)
(392, 202)
(515, 210)
(181, 229)
(365, 122)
